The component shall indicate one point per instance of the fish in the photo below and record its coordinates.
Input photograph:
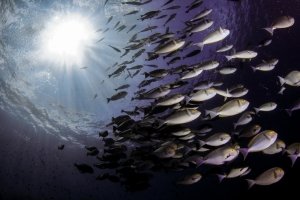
(194, 72)
(191, 179)
(293, 151)
(265, 43)
(109, 19)
(132, 28)
(172, 8)
(84, 168)
(225, 48)
(121, 28)
(169, 47)
(250, 131)
(202, 26)
(165, 151)
(119, 95)
(182, 132)
(270, 106)
(217, 139)
(294, 107)
(203, 95)
(209, 65)
(202, 14)
(61, 147)
(158, 73)
(234, 173)
(131, 13)
(103, 134)
(162, 17)
(244, 119)
(268, 177)
(172, 61)
(171, 17)
(260, 142)
(168, 2)
(239, 92)
(292, 79)
(280, 23)
(265, 67)
(227, 70)
(138, 54)
(247, 54)
(194, 5)
(182, 116)
(149, 28)
(122, 87)
(218, 156)
(277, 147)
(170, 100)
(214, 37)
(202, 85)
(137, 67)
(117, 24)
(118, 71)
(230, 108)
(157, 92)
(114, 48)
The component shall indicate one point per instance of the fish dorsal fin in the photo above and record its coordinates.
(221, 30)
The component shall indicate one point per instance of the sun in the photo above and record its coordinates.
(67, 38)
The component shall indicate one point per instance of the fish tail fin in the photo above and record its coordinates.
(256, 110)
(229, 58)
(281, 90)
(235, 125)
(250, 182)
(244, 152)
(253, 69)
(211, 113)
(293, 159)
(160, 124)
(221, 177)
(281, 80)
(202, 143)
(289, 111)
(122, 111)
(146, 74)
(200, 45)
(108, 100)
(270, 30)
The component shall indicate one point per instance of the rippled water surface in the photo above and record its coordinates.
(43, 105)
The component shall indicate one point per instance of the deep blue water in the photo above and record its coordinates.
(33, 168)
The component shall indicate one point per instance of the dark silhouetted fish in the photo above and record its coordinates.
(192, 54)
(118, 71)
(122, 87)
(131, 13)
(61, 147)
(84, 168)
(109, 19)
(172, 8)
(117, 96)
(170, 18)
(168, 2)
(114, 48)
(133, 27)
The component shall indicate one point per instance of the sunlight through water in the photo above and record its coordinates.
(66, 39)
